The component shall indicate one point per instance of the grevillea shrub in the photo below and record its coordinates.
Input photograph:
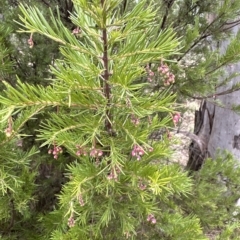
(100, 117)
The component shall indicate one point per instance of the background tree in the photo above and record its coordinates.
(220, 123)
(208, 71)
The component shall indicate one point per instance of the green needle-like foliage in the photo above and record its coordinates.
(101, 115)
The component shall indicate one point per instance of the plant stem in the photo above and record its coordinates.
(106, 86)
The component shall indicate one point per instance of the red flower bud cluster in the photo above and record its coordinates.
(168, 76)
(151, 219)
(55, 151)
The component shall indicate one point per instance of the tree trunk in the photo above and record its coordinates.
(217, 127)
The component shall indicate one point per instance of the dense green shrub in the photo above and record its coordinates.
(105, 177)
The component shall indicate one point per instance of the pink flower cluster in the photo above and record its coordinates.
(135, 120)
(138, 151)
(76, 31)
(168, 76)
(151, 219)
(80, 200)
(55, 151)
(81, 151)
(113, 175)
(150, 74)
(71, 221)
(142, 186)
(176, 118)
(95, 153)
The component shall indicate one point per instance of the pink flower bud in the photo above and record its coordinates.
(71, 222)
(153, 220)
(30, 42)
(142, 186)
(100, 153)
(150, 149)
(151, 73)
(141, 152)
(171, 78)
(176, 117)
(166, 83)
(150, 216)
(110, 177)
(8, 132)
(163, 68)
(76, 30)
(80, 200)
